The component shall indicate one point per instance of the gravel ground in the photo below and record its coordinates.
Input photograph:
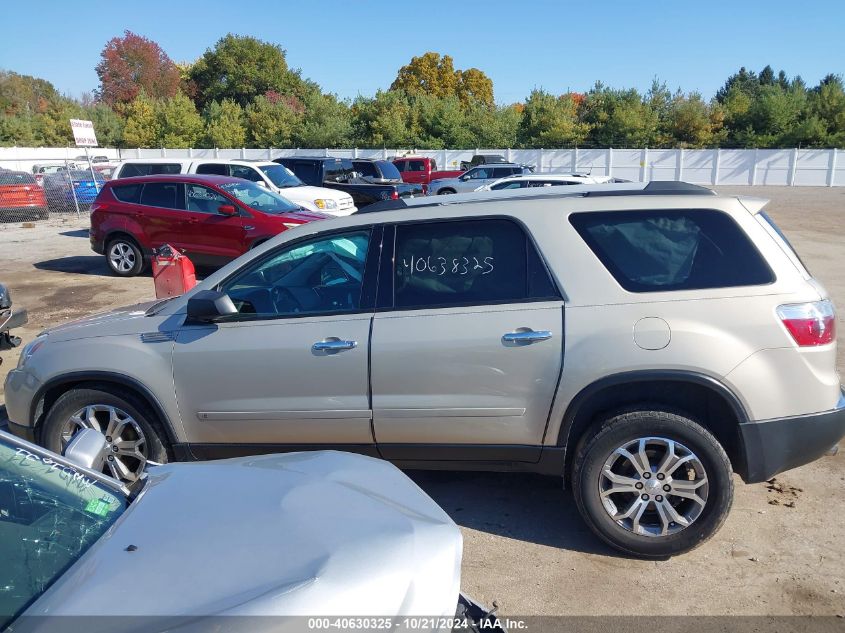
(781, 552)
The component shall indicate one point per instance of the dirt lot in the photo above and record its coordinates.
(781, 552)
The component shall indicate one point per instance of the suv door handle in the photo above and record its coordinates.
(333, 344)
(527, 336)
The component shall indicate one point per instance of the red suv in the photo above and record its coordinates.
(213, 219)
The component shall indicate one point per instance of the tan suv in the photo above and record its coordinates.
(642, 342)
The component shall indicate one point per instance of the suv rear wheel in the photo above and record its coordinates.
(124, 257)
(652, 483)
(130, 429)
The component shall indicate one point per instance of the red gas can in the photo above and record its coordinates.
(173, 272)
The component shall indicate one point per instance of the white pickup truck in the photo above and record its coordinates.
(271, 175)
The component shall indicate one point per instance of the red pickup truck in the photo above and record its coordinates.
(421, 170)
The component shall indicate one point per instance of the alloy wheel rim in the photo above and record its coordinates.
(122, 257)
(125, 446)
(653, 486)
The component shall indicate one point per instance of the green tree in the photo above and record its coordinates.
(272, 120)
(551, 122)
(826, 108)
(692, 123)
(383, 120)
(142, 127)
(179, 122)
(241, 68)
(619, 118)
(224, 124)
(327, 122)
(107, 124)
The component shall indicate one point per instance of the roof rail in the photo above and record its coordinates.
(653, 188)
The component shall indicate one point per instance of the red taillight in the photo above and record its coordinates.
(394, 195)
(810, 324)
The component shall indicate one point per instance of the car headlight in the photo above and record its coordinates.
(323, 203)
(30, 349)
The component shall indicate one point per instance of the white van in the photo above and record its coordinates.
(271, 175)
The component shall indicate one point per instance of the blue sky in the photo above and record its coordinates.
(356, 48)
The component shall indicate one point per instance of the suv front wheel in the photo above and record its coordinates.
(652, 483)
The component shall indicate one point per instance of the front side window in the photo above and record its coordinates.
(649, 251)
(402, 165)
(512, 184)
(167, 195)
(471, 262)
(367, 169)
(480, 173)
(258, 198)
(280, 176)
(204, 200)
(50, 514)
(337, 171)
(320, 276)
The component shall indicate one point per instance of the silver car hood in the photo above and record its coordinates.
(295, 534)
(125, 320)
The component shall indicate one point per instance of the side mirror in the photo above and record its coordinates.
(87, 449)
(208, 306)
(261, 183)
(464, 177)
(227, 209)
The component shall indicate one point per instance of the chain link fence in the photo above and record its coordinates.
(50, 188)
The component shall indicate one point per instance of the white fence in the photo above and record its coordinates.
(798, 167)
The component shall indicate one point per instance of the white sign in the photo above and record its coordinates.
(83, 133)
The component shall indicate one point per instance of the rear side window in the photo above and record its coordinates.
(388, 170)
(167, 195)
(652, 251)
(149, 169)
(366, 169)
(306, 172)
(441, 264)
(401, 165)
(218, 169)
(128, 193)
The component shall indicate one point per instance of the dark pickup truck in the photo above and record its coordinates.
(340, 174)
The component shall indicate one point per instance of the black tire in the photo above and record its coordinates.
(156, 446)
(625, 427)
(445, 192)
(133, 251)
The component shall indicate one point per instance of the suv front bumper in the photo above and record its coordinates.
(773, 446)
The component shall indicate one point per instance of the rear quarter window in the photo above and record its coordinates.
(128, 193)
(654, 251)
(149, 169)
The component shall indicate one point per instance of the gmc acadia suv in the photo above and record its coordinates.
(641, 342)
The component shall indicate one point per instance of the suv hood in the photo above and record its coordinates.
(126, 320)
(315, 533)
(310, 193)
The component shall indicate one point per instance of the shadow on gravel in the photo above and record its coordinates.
(78, 264)
(519, 506)
(96, 265)
(75, 233)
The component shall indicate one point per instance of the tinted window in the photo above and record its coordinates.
(212, 168)
(416, 165)
(318, 276)
(367, 169)
(672, 250)
(401, 165)
(307, 172)
(389, 171)
(337, 171)
(17, 178)
(465, 263)
(433, 165)
(168, 195)
(480, 173)
(204, 200)
(247, 173)
(127, 193)
(501, 172)
(149, 169)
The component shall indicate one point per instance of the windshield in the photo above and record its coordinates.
(50, 514)
(281, 176)
(258, 198)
